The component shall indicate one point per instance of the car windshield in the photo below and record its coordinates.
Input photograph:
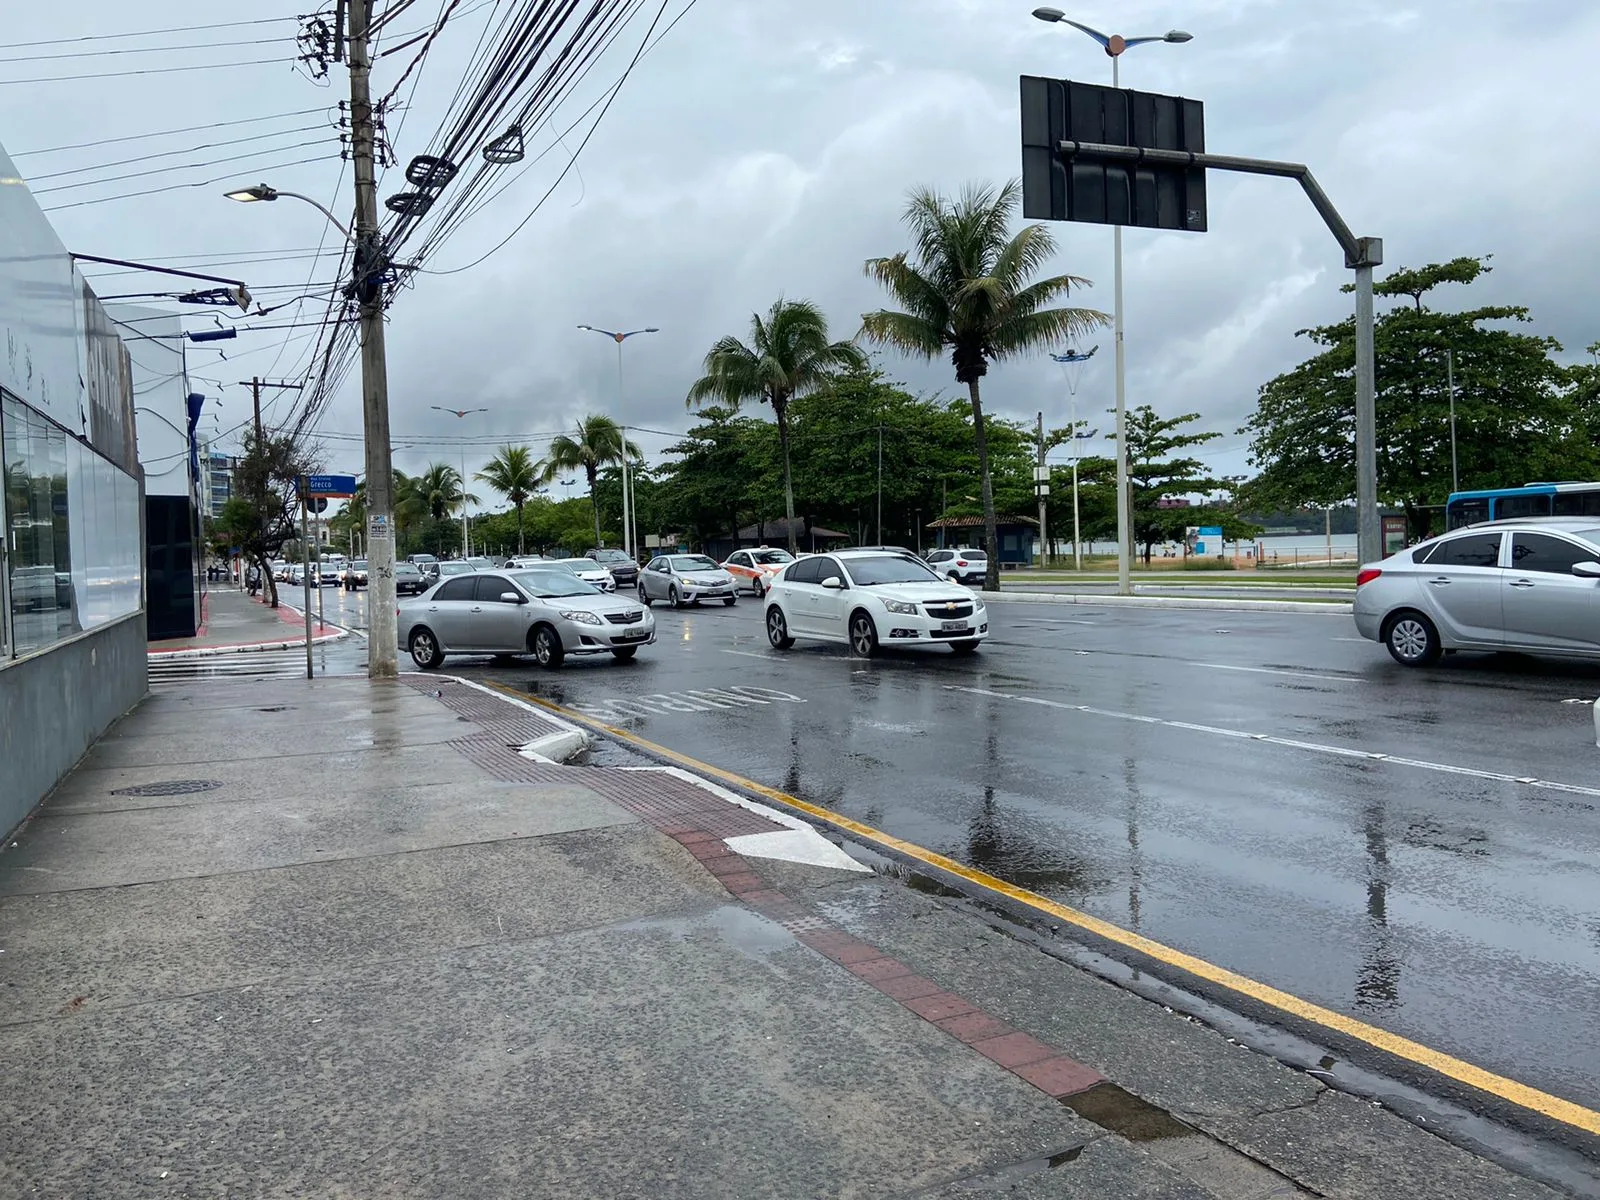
(771, 558)
(548, 582)
(580, 564)
(406, 569)
(455, 568)
(692, 562)
(888, 568)
(610, 556)
(360, 564)
(424, 558)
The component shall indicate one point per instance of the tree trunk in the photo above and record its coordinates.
(521, 547)
(991, 531)
(594, 503)
(780, 410)
(269, 585)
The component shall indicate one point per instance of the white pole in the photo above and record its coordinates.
(627, 523)
(1450, 377)
(1124, 516)
(466, 545)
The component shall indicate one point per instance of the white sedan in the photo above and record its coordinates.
(589, 571)
(870, 598)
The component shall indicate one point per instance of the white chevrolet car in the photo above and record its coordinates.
(869, 599)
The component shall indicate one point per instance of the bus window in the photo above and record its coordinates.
(1508, 508)
(1578, 504)
(1460, 513)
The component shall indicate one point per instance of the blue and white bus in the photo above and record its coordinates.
(1530, 500)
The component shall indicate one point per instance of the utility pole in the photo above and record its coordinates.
(255, 385)
(1041, 484)
(1450, 382)
(370, 262)
(880, 483)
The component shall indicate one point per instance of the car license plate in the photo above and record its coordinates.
(637, 635)
(952, 624)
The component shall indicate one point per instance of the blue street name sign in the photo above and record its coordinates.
(330, 485)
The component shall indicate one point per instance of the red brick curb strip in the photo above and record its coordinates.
(1024, 1056)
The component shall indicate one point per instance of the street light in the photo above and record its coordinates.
(627, 491)
(265, 192)
(466, 541)
(1114, 44)
(368, 262)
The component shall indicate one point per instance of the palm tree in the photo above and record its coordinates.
(966, 287)
(441, 490)
(789, 355)
(598, 443)
(515, 475)
(410, 505)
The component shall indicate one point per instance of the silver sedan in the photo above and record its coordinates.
(1531, 586)
(681, 579)
(545, 611)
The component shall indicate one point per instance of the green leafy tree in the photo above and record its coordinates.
(596, 442)
(1158, 472)
(712, 473)
(1518, 413)
(260, 516)
(788, 355)
(515, 474)
(968, 286)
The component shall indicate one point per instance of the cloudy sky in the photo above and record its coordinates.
(765, 149)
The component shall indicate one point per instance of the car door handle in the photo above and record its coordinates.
(477, 608)
(1439, 580)
(1522, 583)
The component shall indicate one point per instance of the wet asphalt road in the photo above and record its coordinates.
(1424, 896)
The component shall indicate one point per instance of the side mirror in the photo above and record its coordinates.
(833, 583)
(510, 598)
(1586, 570)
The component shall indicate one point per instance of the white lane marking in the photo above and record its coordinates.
(748, 654)
(797, 842)
(697, 700)
(1275, 671)
(1350, 639)
(1548, 785)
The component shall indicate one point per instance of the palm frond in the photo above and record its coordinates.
(906, 332)
(1028, 333)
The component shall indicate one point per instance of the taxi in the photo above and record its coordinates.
(754, 570)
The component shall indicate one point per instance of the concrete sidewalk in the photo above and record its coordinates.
(347, 938)
(235, 623)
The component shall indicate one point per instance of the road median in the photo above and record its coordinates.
(1102, 599)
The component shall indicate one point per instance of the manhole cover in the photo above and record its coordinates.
(172, 787)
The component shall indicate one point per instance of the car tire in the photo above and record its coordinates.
(778, 629)
(545, 643)
(863, 634)
(964, 648)
(644, 597)
(757, 589)
(424, 647)
(729, 601)
(672, 596)
(1412, 639)
(624, 653)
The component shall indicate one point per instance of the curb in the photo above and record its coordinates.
(1314, 607)
(239, 648)
(567, 742)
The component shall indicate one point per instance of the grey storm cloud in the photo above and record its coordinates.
(765, 150)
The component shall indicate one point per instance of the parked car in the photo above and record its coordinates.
(960, 563)
(354, 574)
(589, 571)
(681, 579)
(1529, 585)
(408, 580)
(755, 569)
(280, 570)
(869, 599)
(543, 611)
(297, 574)
(621, 565)
(328, 574)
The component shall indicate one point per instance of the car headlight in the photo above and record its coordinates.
(977, 604)
(581, 617)
(900, 607)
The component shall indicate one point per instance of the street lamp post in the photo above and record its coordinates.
(461, 413)
(1115, 45)
(627, 491)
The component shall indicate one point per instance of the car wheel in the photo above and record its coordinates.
(547, 647)
(778, 629)
(729, 601)
(624, 653)
(758, 589)
(644, 597)
(672, 596)
(863, 634)
(425, 650)
(964, 648)
(1412, 639)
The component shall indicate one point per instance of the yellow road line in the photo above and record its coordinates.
(1510, 1090)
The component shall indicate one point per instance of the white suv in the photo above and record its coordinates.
(868, 599)
(960, 563)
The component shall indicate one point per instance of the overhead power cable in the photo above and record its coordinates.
(122, 162)
(210, 162)
(142, 50)
(103, 37)
(181, 186)
(254, 62)
(133, 137)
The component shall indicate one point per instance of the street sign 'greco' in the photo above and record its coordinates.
(330, 485)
